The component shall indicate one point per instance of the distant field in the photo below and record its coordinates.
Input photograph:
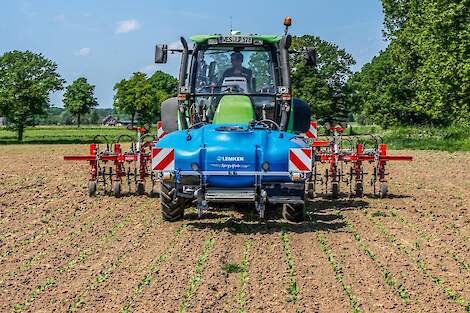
(422, 138)
(63, 134)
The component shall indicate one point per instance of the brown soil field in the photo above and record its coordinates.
(63, 251)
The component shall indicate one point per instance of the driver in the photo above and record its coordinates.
(237, 70)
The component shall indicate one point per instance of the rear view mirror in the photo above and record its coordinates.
(161, 54)
(310, 57)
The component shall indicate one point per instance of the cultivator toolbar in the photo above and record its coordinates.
(111, 166)
(339, 151)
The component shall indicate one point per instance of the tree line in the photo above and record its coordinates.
(27, 79)
(422, 77)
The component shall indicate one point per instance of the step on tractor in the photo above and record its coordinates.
(235, 135)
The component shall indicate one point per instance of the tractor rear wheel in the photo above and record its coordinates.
(172, 207)
(293, 212)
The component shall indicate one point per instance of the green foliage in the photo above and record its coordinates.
(164, 86)
(232, 268)
(324, 87)
(141, 97)
(79, 98)
(134, 97)
(64, 134)
(26, 79)
(423, 77)
(260, 65)
(382, 92)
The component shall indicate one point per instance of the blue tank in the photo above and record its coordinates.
(232, 148)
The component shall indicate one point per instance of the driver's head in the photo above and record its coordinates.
(237, 59)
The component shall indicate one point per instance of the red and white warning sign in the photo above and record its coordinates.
(160, 132)
(163, 159)
(312, 132)
(300, 160)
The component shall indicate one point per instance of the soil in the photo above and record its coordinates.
(61, 250)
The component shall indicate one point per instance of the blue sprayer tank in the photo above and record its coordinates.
(233, 148)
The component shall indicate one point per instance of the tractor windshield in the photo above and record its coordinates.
(225, 70)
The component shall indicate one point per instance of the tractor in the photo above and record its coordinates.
(233, 127)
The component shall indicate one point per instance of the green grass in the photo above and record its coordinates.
(63, 134)
(452, 138)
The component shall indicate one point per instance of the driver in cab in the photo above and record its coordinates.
(237, 70)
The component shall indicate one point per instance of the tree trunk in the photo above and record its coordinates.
(132, 119)
(20, 133)
(78, 120)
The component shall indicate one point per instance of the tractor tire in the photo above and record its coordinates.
(359, 190)
(92, 188)
(383, 192)
(293, 212)
(140, 188)
(172, 208)
(117, 189)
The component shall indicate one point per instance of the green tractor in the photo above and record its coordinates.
(232, 129)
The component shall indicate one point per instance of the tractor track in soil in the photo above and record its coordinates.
(61, 250)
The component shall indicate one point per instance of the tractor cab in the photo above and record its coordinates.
(234, 79)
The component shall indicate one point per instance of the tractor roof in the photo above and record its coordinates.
(201, 39)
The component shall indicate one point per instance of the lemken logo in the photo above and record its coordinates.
(230, 159)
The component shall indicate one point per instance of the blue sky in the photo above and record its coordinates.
(106, 40)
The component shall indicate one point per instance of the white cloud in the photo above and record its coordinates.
(127, 26)
(83, 52)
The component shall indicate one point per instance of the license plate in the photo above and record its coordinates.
(236, 39)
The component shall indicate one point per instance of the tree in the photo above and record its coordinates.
(324, 87)
(79, 98)
(134, 97)
(94, 117)
(425, 70)
(26, 80)
(163, 86)
(381, 92)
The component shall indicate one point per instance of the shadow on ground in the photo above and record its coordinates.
(319, 216)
